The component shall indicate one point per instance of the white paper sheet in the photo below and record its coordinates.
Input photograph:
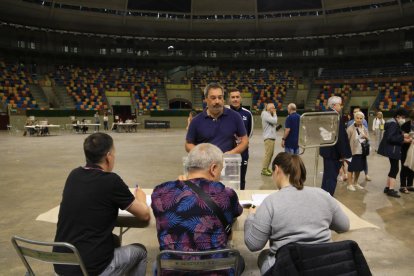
(126, 213)
(258, 198)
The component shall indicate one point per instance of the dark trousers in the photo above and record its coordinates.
(330, 173)
(393, 168)
(406, 176)
(243, 169)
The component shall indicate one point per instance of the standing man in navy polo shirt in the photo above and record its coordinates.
(235, 104)
(291, 136)
(217, 125)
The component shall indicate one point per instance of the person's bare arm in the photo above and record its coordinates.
(242, 146)
(189, 146)
(139, 207)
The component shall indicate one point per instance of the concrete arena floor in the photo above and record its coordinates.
(33, 171)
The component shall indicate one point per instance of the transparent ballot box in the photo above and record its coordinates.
(230, 175)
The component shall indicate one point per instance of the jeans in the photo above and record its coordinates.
(292, 150)
(265, 261)
(128, 260)
(241, 267)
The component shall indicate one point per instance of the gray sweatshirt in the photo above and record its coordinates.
(269, 125)
(292, 215)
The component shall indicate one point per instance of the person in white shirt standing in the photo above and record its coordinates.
(105, 121)
(269, 122)
(378, 129)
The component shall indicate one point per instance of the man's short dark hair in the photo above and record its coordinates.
(401, 112)
(233, 89)
(97, 146)
(212, 85)
(356, 107)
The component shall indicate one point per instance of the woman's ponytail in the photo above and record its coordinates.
(291, 165)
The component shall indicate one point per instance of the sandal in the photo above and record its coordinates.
(404, 191)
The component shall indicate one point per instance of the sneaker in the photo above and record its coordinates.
(359, 187)
(368, 178)
(350, 188)
(266, 172)
(339, 178)
(404, 190)
(386, 189)
(393, 193)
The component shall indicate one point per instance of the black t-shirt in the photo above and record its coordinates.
(88, 211)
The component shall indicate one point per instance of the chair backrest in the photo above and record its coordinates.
(42, 251)
(332, 258)
(201, 261)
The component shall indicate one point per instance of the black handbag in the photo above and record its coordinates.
(211, 204)
(365, 145)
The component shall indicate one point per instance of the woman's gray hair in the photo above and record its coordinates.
(202, 156)
(360, 113)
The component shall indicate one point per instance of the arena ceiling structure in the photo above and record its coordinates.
(149, 31)
(210, 19)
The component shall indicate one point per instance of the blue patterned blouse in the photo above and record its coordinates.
(184, 221)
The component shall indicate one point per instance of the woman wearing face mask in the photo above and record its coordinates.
(357, 133)
(390, 147)
(281, 220)
(406, 174)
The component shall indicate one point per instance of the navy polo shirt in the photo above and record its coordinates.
(292, 122)
(220, 132)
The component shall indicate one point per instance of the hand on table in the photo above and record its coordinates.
(252, 210)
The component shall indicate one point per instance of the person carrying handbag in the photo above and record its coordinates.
(406, 174)
(357, 135)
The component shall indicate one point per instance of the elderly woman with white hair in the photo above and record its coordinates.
(357, 134)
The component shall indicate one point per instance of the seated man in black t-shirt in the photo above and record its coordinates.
(89, 209)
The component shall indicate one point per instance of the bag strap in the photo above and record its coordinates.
(357, 130)
(211, 204)
(362, 143)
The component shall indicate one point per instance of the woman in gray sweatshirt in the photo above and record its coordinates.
(293, 214)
